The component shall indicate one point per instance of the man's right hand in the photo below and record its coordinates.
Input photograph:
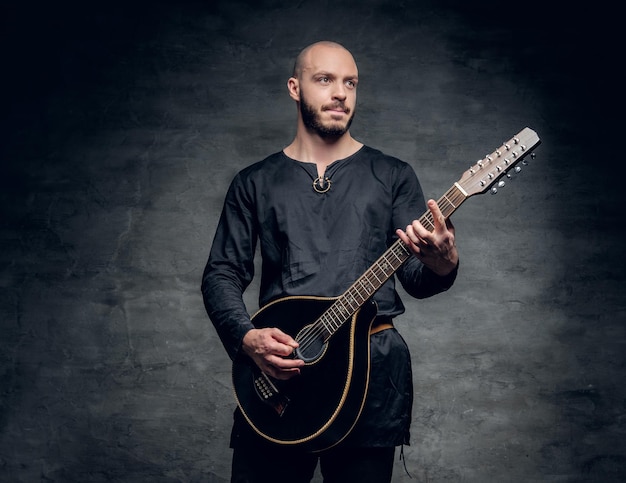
(270, 349)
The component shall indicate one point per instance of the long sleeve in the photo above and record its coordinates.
(230, 269)
(421, 282)
(418, 280)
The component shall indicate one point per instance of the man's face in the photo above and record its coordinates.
(328, 91)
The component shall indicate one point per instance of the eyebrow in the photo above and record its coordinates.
(353, 77)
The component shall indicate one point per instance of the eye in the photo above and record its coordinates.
(324, 80)
(351, 84)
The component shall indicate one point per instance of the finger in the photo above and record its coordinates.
(403, 236)
(438, 218)
(409, 237)
(283, 340)
(282, 375)
(284, 364)
(450, 225)
(408, 242)
(418, 233)
(281, 368)
(278, 373)
(283, 337)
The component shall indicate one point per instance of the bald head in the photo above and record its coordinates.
(324, 86)
(303, 59)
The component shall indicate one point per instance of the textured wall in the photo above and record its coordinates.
(121, 130)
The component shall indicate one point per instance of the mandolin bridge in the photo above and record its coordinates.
(269, 393)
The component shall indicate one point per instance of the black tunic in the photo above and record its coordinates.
(318, 244)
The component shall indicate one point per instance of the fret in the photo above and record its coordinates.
(342, 307)
(324, 322)
(356, 292)
(337, 313)
(387, 268)
(368, 290)
(428, 222)
(446, 203)
(349, 298)
(332, 327)
(399, 257)
(376, 277)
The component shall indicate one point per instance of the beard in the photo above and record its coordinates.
(312, 119)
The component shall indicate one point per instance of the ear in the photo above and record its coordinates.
(294, 88)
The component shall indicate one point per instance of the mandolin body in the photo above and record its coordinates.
(318, 408)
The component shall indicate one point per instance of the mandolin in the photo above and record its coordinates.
(319, 408)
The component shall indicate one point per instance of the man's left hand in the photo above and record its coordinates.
(436, 249)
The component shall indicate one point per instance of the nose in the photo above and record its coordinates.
(339, 92)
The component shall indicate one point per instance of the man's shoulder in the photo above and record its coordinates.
(265, 163)
(377, 156)
(262, 167)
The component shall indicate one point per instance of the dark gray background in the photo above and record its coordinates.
(122, 125)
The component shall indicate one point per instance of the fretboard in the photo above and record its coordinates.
(382, 269)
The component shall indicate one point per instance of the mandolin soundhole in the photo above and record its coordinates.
(312, 345)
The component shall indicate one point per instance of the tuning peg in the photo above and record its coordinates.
(501, 184)
(516, 170)
(525, 161)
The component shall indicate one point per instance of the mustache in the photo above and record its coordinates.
(336, 105)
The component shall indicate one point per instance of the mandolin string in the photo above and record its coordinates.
(337, 314)
(343, 309)
(341, 313)
(354, 293)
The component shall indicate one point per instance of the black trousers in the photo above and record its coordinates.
(341, 465)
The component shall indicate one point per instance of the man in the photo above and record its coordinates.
(323, 210)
